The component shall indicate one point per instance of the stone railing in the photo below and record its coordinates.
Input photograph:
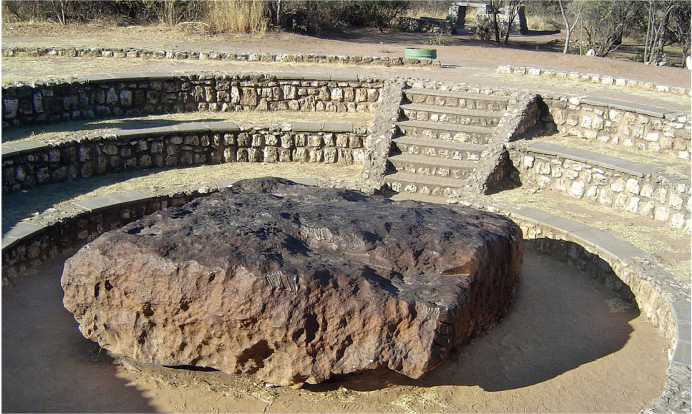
(225, 56)
(494, 166)
(29, 164)
(640, 127)
(132, 94)
(383, 128)
(592, 78)
(621, 266)
(604, 180)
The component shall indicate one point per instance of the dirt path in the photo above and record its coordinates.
(567, 345)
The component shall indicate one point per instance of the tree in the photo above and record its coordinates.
(569, 27)
(679, 25)
(606, 21)
(657, 25)
(512, 9)
(503, 28)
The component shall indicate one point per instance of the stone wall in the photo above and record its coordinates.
(608, 181)
(100, 96)
(604, 80)
(136, 53)
(620, 123)
(424, 25)
(26, 165)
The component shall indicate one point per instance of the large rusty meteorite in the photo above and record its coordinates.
(295, 283)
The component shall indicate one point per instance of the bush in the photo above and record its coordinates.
(237, 16)
(485, 28)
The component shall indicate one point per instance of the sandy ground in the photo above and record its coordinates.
(567, 345)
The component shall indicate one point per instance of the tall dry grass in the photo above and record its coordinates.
(237, 16)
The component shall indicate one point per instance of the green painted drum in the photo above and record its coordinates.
(416, 53)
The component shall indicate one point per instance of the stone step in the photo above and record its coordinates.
(441, 167)
(457, 99)
(438, 148)
(402, 182)
(443, 114)
(446, 132)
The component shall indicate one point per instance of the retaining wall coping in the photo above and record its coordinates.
(98, 77)
(683, 349)
(308, 126)
(130, 197)
(609, 243)
(586, 235)
(336, 127)
(289, 75)
(20, 231)
(143, 132)
(12, 149)
(627, 106)
(320, 76)
(221, 126)
(345, 77)
(96, 203)
(601, 160)
(605, 80)
(556, 222)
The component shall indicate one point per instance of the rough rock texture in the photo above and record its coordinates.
(295, 283)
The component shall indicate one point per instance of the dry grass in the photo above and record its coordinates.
(542, 23)
(430, 8)
(237, 17)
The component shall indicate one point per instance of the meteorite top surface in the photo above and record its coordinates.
(289, 233)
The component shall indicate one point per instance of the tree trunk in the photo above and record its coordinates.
(567, 27)
(510, 20)
(497, 26)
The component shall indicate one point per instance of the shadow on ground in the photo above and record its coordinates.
(47, 366)
(85, 126)
(534, 40)
(560, 320)
(20, 205)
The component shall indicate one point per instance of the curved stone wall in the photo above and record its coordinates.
(26, 165)
(607, 181)
(592, 78)
(225, 56)
(608, 121)
(132, 94)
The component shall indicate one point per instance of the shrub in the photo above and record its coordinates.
(237, 16)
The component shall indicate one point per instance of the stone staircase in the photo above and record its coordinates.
(441, 139)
